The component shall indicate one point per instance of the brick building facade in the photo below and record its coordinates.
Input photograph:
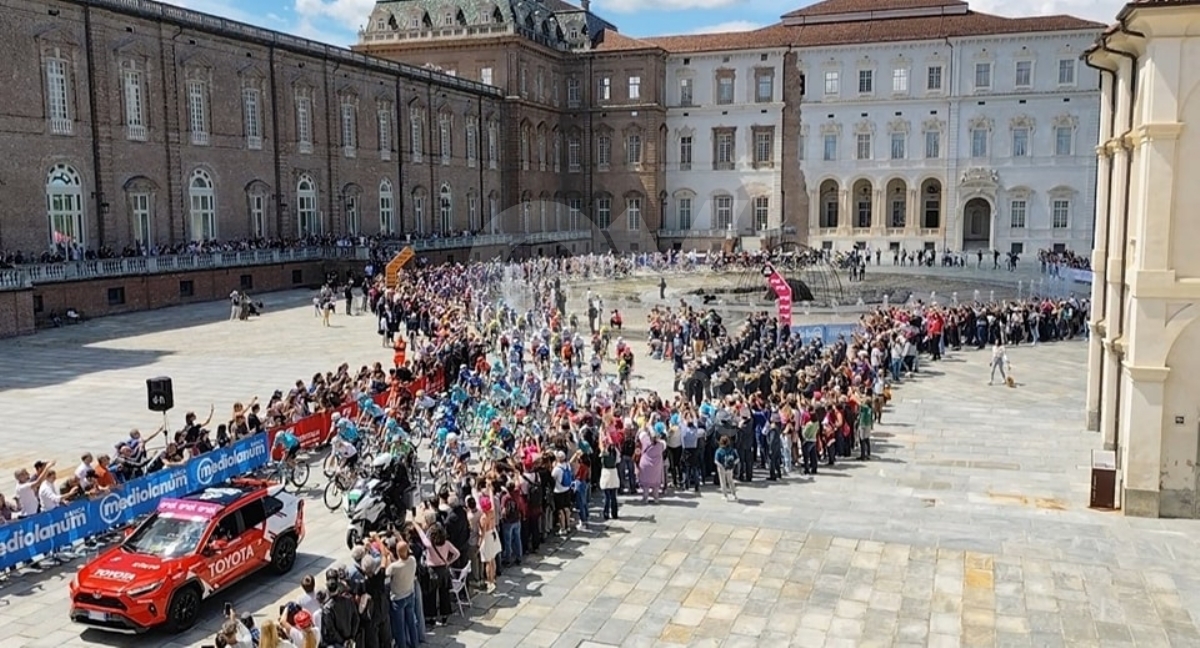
(133, 122)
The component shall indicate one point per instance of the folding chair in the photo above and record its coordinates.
(459, 586)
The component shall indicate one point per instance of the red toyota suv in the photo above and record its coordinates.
(185, 552)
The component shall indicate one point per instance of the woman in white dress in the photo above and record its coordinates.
(489, 540)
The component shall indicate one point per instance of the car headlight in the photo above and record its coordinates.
(145, 589)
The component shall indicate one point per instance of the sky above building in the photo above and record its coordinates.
(337, 21)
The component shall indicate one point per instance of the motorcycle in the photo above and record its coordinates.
(369, 510)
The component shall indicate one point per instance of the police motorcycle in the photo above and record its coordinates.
(376, 502)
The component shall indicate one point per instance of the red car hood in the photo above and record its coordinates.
(117, 570)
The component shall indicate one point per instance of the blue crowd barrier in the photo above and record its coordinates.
(27, 539)
(827, 332)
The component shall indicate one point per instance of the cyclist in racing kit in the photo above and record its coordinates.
(290, 445)
(344, 428)
(346, 453)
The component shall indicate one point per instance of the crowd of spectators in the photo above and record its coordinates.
(67, 251)
(1052, 262)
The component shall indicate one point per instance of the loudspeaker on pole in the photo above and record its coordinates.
(160, 396)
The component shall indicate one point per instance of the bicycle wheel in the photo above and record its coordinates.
(333, 494)
(299, 476)
(329, 467)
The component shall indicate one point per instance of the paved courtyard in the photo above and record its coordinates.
(970, 528)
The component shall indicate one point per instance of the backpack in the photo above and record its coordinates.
(628, 445)
(510, 511)
(568, 477)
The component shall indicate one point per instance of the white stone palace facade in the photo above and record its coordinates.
(1144, 354)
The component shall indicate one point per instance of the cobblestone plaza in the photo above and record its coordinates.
(971, 527)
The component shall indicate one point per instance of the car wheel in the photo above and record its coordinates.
(283, 554)
(333, 494)
(354, 536)
(184, 609)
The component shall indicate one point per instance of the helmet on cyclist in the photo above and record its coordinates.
(381, 461)
(451, 438)
(336, 417)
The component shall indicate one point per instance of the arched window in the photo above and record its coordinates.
(353, 218)
(829, 204)
(526, 211)
(864, 196)
(387, 214)
(931, 204)
(64, 205)
(445, 211)
(202, 206)
(306, 207)
(897, 204)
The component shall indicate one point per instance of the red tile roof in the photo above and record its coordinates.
(874, 31)
(611, 41)
(857, 6)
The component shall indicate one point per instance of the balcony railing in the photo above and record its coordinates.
(694, 233)
(254, 142)
(199, 138)
(304, 147)
(61, 126)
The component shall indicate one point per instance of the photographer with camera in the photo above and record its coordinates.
(340, 619)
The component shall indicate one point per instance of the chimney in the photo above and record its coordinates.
(586, 4)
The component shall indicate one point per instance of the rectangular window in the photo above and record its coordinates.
(983, 76)
(444, 141)
(349, 131)
(633, 149)
(135, 107)
(866, 81)
(1020, 144)
(416, 139)
(472, 213)
(485, 76)
(683, 213)
(573, 94)
(832, 85)
(900, 81)
(57, 103)
(603, 213)
(764, 148)
(386, 225)
(304, 124)
(898, 214)
(724, 219)
(493, 146)
(1064, 140)
(863, 148)
(524, 79)
(250, 105)
(116, 296)
(573, 153)
(725, 90)
(198, 112)
(472, 145)
(933, 78)
(933, 145)
(635, 87)
(385, 134)
(605, 88)
(1024, 74)
(258, 215)
(762, 213)
(1061, 212)
(633, 214)
(603, 151)
(764, 85)
(979, 142)
(724, 150)
(685, 92)
(899, 141)
(1016, 214)
(574, 210)
(685, 153)
(1066, 72)
(140, 206)
(830, 153)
